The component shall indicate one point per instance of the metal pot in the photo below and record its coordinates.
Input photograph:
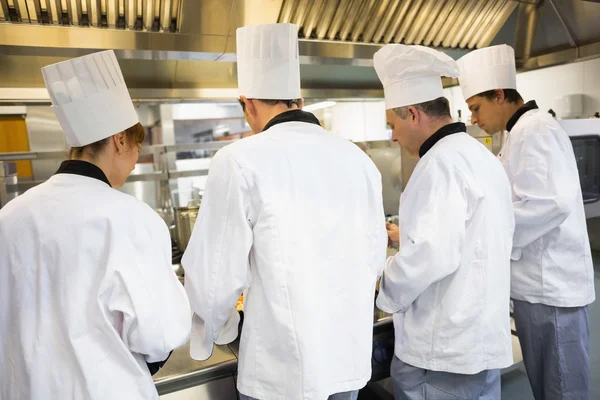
(185, 218)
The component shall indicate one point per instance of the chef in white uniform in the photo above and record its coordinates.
(295, 214)
(448, 286)
(89, 303)
(552, 271)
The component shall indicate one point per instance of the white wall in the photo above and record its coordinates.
(358, 121)
(547, 85)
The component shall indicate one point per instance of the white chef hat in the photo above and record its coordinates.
(487, 69)
(89, 97)
(412, 74)
(267, 61)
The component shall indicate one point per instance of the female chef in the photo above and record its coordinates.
(89, 303)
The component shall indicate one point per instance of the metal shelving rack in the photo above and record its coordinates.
(161, 153)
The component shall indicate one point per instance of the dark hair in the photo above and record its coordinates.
(288, 103)
(510, 95)
(135, 135)
(438, 108)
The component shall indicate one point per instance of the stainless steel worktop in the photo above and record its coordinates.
(182, 372)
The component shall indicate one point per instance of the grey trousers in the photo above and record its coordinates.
(555, 345)
(338, 396)
(412, 383)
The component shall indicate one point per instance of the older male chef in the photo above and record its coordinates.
(270, 219)
(552, 271)
(448, 286)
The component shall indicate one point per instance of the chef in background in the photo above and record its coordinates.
(448, 286)
(295, 214)
(89, 303)
(552, 279)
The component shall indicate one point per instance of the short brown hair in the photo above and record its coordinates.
(135, 135)
(288, 103)
(438, 108)
(510, 95)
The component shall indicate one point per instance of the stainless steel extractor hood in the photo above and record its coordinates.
(180, 49)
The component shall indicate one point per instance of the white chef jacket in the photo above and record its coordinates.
(296, 214)
(449, 283)
(87, 293)
(552, 261)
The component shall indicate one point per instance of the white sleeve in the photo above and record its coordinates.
(216, 261)
(146, 297)
(543, 183)
(380, 238)
(432, 232)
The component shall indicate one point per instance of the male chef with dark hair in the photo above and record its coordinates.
(294, 214)
(552, 279)
(448, 286)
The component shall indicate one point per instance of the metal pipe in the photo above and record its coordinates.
(527, 22)
(568, 30)
(3, 189)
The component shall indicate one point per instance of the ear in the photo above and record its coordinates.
(119, 141)
(250, 106)
(301, 106)
(413, 117)
(500, 95)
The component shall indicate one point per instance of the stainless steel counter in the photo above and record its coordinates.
(182, 372)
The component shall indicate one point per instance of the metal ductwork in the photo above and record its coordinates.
(527, 23)
(138, 15)
(464, 24)
(185, 49)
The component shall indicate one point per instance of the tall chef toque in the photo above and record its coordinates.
(487, 69)
(89, 97)
(412, 74)
(267, 62)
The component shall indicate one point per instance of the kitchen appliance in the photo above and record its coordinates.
(585, 138)
(185, 218)
(388, 158)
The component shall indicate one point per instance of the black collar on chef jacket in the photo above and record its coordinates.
(292, 116)
(83, 168)
(441, 133)
(530, 105)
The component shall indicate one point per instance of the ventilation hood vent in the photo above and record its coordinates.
(464, 24)
(138, 15)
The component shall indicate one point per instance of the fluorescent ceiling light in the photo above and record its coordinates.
(318, 106)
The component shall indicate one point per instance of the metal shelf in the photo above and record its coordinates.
(160, 151)
(145, 150)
